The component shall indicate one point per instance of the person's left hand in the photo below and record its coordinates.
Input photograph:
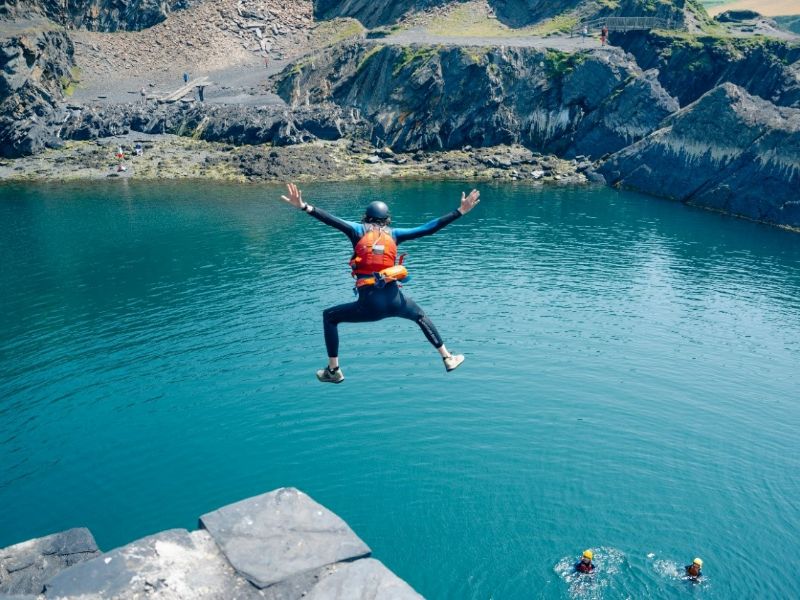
(469, 202)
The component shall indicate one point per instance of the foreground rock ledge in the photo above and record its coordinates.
(278, 546)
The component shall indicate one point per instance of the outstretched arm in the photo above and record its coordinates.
(467, 204)
(295, 198)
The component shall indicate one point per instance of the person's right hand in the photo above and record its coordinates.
(295, 197)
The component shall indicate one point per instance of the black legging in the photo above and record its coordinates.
(374, 304)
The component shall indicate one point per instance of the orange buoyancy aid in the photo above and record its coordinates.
(374, 252)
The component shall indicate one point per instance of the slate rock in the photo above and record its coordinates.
(25, 567)
(273, 536)
(591, 103)
(729, 151)
(171, 565)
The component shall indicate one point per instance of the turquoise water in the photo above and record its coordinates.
(631, 381)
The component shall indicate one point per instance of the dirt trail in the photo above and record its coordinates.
(565, 43)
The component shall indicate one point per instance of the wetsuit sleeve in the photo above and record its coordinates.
(352, 230)
(429, 228)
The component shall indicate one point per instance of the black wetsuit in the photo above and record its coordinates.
(582, 567)
(374, 303)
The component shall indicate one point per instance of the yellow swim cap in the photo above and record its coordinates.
(698, 562)
(588, 554)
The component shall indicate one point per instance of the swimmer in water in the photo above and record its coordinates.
(585, 564)
(694, 571)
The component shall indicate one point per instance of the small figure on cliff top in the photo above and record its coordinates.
(185, 78)
(377, 270)
(604, 35)
(585, 564)
(694, 571)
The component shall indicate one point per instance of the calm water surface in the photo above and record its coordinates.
(631, 381)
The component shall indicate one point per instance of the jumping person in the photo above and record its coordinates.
(375, 268)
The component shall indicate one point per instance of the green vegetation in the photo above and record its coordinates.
(328, 33)
(415, 54)
(558, 63)
(476, 54)
(69, 83)
(367, 56)
(471, 19)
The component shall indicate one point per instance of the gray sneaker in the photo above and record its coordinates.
(452, 362)
(327, 376)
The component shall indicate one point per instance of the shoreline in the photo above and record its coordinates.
(170, 157)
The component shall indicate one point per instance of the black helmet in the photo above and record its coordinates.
(377, 211)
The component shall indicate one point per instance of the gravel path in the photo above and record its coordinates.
(555, 42)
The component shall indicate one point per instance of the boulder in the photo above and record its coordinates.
(365, 579)
(25, 567)
(173, 565)
(273, 536)
(729, 151)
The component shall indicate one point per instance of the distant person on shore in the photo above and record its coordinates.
(585, 32)
(585, 564)
(201, 92)
(694, 571)
(185, 78)
(137, 149)
(120, 156)
(377, 269)
(604, 35)
(143, 94)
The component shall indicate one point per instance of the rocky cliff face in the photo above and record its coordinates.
(728, 151)
(239, 552)
(99, 15)
(689, 66)
(589, 103)
(35, 66)
(233, 125)
(371, 13)
(515, 13)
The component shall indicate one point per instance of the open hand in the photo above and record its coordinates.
(469, 202)
(295, 197)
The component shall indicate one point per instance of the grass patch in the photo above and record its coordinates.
(412, 55)
(328, 33)
(471, 19)
(367, 56)
(70, 82)
(558, 63)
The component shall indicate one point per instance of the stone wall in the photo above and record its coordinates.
(277, 546)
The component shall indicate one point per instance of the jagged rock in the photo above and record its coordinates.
(25, 567)
(35, 65)
(372, 160)
(273, 536)
(366, 579)
(729, 151)
(690, 67)
(516, 13)
(100, 15)
(447, 97)
(233, 124)
(174, 565)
